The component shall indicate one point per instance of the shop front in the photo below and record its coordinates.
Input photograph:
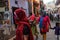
(2, 10)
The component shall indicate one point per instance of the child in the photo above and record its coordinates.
(32, 20)
(37, 24)
(6, 27)
(57, 30)
(37, 21)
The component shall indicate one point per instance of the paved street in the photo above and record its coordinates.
(50, 34)
(12, 38)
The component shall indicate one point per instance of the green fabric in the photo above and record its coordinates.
(33, 27)
(34, 30)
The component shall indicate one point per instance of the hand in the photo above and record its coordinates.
(50, 27)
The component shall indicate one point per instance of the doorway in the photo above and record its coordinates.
(13, 9)
(1, 17)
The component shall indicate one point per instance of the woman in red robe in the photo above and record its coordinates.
(23, 31)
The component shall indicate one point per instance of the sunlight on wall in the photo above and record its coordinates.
(46, 1)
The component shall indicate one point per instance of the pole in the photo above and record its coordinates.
(32, 7)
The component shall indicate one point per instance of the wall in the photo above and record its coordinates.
(21, 3)
(2, 9)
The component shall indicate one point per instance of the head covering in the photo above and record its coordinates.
(44, 13)
(20, 14)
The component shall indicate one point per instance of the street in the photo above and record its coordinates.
(14, 13)
(50, 34)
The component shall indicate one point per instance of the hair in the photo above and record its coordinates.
(41, 2)
(57, 24)
(41, 12)
(37, 14)
(30, 14)
(44, 13)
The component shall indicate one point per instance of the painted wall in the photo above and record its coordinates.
(21, 3)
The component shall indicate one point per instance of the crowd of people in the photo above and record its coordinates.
(35, 24)
(54, 15)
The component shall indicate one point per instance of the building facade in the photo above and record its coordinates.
(2, 10)
(15, 4)
(9, 6)
(19, 3)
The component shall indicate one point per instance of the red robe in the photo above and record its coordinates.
(19, 31)
(20, 20)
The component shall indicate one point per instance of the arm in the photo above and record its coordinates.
(16, 20)
(48, 19)
(29, 18)
(59, 28)
(53, 28)
(39, 19)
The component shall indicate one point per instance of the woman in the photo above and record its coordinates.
(23, 31)
(44, 24)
